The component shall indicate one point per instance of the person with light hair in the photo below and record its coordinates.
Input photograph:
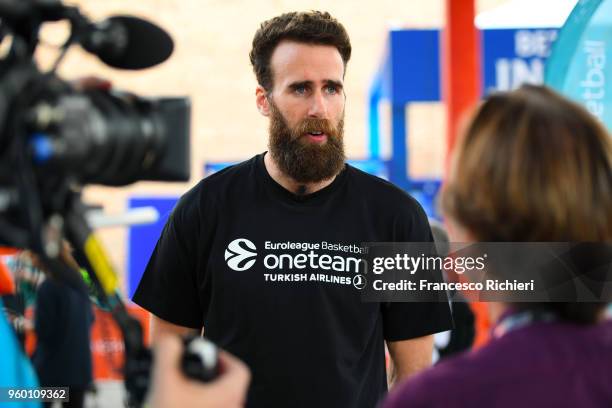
(531, 167)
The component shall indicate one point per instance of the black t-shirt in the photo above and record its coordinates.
(271, 277)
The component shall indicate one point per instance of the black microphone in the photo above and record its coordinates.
(200, 359)
(43, 10)
(127, 42)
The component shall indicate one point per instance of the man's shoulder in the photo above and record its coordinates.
(228, 174)
(208, 190)
(240, 172)
(380, 190)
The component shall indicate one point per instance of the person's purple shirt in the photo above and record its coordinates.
(541, 365)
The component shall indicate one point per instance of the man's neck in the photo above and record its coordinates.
(289, 183)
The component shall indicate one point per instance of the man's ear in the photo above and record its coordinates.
(263, 105)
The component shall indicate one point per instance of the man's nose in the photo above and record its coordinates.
(318, 106)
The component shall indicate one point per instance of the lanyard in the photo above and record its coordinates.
(522, 319)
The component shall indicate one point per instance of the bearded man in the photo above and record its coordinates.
(264, 255)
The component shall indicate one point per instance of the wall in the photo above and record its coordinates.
(211, 65)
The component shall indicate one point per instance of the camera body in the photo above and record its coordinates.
(57, 136)
(109, 137)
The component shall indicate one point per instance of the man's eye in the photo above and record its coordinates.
(300, 90)
(331, 89)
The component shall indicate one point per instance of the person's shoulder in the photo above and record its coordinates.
(459, 376)
(229, 172)
(380, 187)
(46, 286)
(237, 172)
(575, 342)
(53, 290)
(424, 388)
(210, 187)
(601, 335)
(605, 328)
(381, 192)
(499, 366)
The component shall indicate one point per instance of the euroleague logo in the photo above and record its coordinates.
(240, 254)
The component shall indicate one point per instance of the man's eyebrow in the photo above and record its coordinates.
(300, 84)
(305, 84)
(335, 83)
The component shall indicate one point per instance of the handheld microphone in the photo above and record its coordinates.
(200, 359)
(127, 42)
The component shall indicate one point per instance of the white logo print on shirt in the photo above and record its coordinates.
(239, 253)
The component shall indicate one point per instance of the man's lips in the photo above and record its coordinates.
(317, 137)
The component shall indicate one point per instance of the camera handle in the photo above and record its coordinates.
(200, 360)
(92, 257)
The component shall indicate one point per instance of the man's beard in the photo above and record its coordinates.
(304, 161)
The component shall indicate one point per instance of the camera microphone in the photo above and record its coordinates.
(122, 42)
(127, 42)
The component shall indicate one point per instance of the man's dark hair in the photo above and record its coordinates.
(314, 27)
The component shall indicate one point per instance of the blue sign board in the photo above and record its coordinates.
(411, 72)
(512, 57)
(414, 66)
(142, 238)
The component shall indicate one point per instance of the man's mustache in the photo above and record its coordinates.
(314, 125)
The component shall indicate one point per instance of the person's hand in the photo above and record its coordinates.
(170, 388)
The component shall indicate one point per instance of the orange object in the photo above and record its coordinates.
(30, 334)
(8, 251)
(461, 65)
(462, 77)
(106, 342)
(482, 323)
(7, 286)
(107, 346)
